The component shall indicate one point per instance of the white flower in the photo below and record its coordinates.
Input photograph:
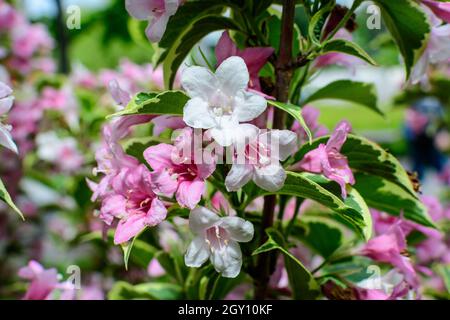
(217, 239)
(219, 101)
(6, 102)
(262, 161)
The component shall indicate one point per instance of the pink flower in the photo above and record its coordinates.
(167, 122)
(155, 269)
(328, 160)
(8, 16)
(440, 9)
(254, 58)
(43, 281)
(175, 171)
(133, 202)
(28, 39)
(389, 248)
(157, 12)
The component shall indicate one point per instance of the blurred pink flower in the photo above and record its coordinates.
(328, 160)
(28, 39)
(157, 12)
(43, 281)
(255, 58)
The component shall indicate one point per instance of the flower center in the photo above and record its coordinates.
(221, 104)
(217, 238)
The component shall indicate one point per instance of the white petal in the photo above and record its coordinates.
(171, 6)
(239, 229)
(283, 143)
(6, 139)
(199, 82)
(239, 176)
(270, 177)
(245, 133)
(197, 253)
(6, 104)
(201, 219)
(226, 130)
(232, 75)
(248, 106)
(5, 90)
(196, 114)
(228, 261)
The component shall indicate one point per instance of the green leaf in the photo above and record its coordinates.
(136, 146)
(386, 196)
(305, 185)
(142, 252)
(187, 39)
(444, 272)
(409, 26)
(302, 282)
(294, 111)
(185, 15)
(347, 90)
(366, 156)
(322, 235)
(150, 291)
(348, 47)
(5, 197)
(167, 102)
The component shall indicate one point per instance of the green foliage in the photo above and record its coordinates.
(167, 102)
(295, 112)
(347, 90)
(301, 281)
(5, 197)
(347, 47)
(409, 27)
(149, 291)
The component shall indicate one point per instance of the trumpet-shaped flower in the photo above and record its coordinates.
(440, 9)
(261, 161)
(133, 202)
(327, 159)
(219, 101)
(157, 12)
(217, 239)
(178, 174)
(6, 102)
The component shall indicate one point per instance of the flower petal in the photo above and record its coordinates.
(189, 193)
(197, 252)
(232, 75)
(196, 114)
(239, 229)
(6, 104)
(270, 177)
(156, 28)
(248, 106)
(201, 219)
(199, 82)
(6, 139)
(228, 260)
(129, 228)
(156, 214)
(159, 156)
(239, 176)
(143, 9)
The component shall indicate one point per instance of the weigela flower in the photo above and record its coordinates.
(261, 161)
(327, 159)
(440, 9)
(219, 101)
(157, 12)
(6, 102)
(133, 202)
(175, 172)
(217, 239)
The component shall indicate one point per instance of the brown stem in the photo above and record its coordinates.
(283, 79)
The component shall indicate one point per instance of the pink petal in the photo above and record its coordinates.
(159, 156)
(189, 193)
